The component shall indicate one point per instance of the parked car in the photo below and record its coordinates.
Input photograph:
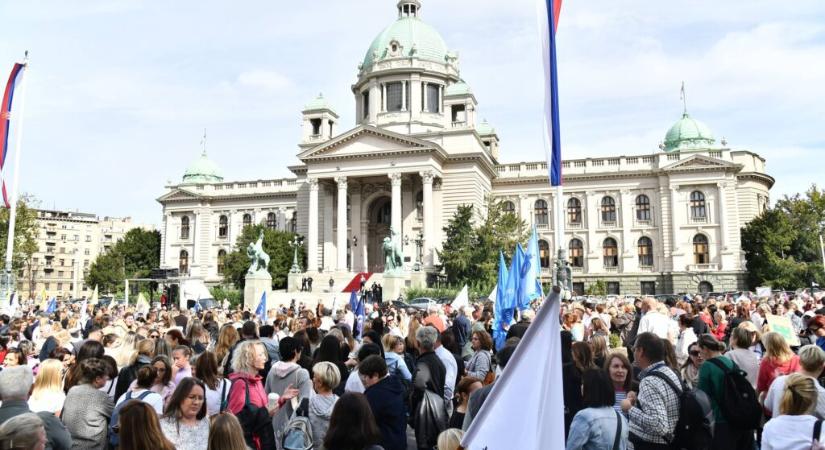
(421, 303)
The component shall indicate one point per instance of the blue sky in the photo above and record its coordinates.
(121, 90)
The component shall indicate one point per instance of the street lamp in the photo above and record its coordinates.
(296, 243)
(355, 241)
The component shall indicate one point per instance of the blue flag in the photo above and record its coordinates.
(52, 307)
(505, 298)
(261, 310)
(530, 284)
(353, 301)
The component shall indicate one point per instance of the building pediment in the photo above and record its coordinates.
(178, 195)
(701, 163)
(368, 141)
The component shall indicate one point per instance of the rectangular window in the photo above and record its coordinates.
(612, 288)
(648, 288)
(432, 98)
(578, 288)
(365, 98)
(86, 251)
(88, 238)
(316, 126)
(59, 274)
(394, 96)
(458, 114)
(59, 286)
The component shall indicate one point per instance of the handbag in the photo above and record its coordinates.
(618, 438)
(255, 422)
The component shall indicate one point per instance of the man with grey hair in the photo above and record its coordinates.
(429, 376)
(23, 431)
(15, 383)
(812, 362)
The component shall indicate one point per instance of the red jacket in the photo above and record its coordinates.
(769, 369)
(237, 393)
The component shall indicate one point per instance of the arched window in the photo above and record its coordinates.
(576, 253)
(705, 287)
(271, 221)
(645, 252)
(697, 205)
(419, 205)
(574, 211)
(183, 262)
(184, 227)
(508, 207)
(643, 208)
(384, 214)
(610, 251)
(247, 220)
(223, 227)
(544, 254)
(608, 210)
(540, 210)
(700, 249)
(221, 261)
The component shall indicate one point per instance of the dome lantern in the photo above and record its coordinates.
(688, 134)
(408, 8)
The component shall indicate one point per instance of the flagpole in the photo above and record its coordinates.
(8, 285)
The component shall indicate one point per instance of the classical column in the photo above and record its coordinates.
(723, 227)
(404, 95)
(440, 99)
(383, 97)
(341, 243)
(424, 90)
(164, 240)
(674, 198)
(427, 183)
(312, 234)
(625, 200)
(396, 202)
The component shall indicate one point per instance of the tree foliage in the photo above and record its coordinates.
(133, 256)
(25, 238)
(782, 246)
(469, 254)
(276, 245)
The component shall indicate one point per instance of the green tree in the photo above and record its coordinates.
(597, 288)
(106, 272)
(458, 250)
(25, 239)
(276, 245)
(782, 245)
(133, 256)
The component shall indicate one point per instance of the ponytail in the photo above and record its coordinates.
(799, 397)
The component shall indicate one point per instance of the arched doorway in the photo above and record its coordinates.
(379, 218)
(705, 287)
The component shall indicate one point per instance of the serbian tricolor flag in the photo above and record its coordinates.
(5, 116)
(548, 14)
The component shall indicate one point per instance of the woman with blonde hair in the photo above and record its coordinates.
(450, 439)
(138, 428)
(225, 433)
(794, 428)
(47, 394)
(227, 338)
(778, 360)
(411, 344)
(599, 345)
(325, 377)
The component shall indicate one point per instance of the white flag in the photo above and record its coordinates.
(525, 409)
(494, 294)
(462, 299)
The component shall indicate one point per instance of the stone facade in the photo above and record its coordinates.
(658, 222)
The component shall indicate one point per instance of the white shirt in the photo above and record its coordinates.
(452, 370)
(213, 397)
(774, 397)
(656, 323)
(153, 399)
(47, 401)
(789, 433)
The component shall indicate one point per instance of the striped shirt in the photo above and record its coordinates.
(620, 396)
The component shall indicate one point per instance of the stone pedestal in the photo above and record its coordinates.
(393, 285)
(255, 285)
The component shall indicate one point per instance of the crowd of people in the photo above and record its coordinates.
(637, 373)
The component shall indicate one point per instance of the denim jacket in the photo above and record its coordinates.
(595, 429)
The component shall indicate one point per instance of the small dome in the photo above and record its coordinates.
(688, 134)
(485, 129)
(318, 103)
(203, 171)
(411, 37)
(460, 88)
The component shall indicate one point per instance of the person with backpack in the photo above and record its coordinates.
(795, 428)
(735, 406)
(142, 391)
(285, 375)
(654, 412)
(598, 425)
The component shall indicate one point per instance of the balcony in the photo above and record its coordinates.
(699, 219)
(611, 269)
(574, 225)
(702, 267)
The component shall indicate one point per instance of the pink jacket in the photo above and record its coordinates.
(237, 393)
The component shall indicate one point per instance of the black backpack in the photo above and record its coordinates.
(114, 439)
(694, 429)
(739, 403)
(255, 421)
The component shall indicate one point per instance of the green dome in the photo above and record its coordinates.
(203, 171)
(484, 129)
(688, 134)
(318, 103)
(414, 37)
(460, 88)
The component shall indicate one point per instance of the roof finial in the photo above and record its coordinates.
(684, 100)
(203, 143)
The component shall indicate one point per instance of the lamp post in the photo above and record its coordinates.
(296, 243)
